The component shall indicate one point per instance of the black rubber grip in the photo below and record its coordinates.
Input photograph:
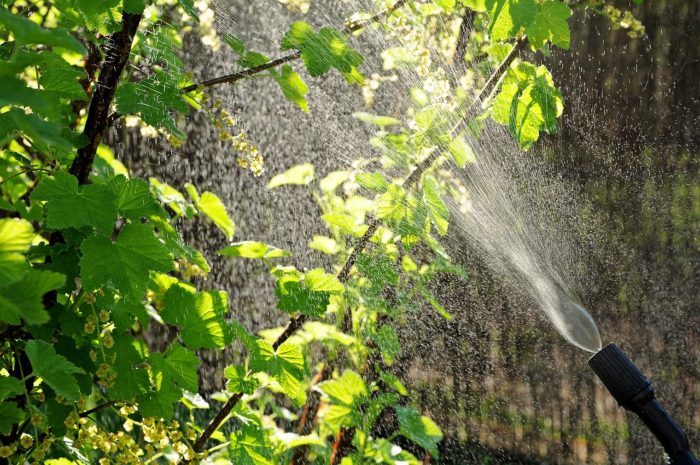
(619, 375)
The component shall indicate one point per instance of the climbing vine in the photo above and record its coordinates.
(91, 258)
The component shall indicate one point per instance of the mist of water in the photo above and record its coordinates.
(502, 217)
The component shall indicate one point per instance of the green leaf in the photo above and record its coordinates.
(391, 205)
(99, 16)
(388, 343)
(346, 394)
(438, 211)
(249, 445)
(47, 136)
(27, 32)
(16, 92)
(15, 239)
(509, 17)
(419, 429)
(23, 298)
(293, 296)
(134, 199)
(461, 151)
(239, 381)
(528, 103)
(10, 415)
(318, 280)
(188, 6)
(171, 373)
(376, 182)
(550, 24)
(323, 50)
(54, 369)
(10, 387)
(379, 269)
(63, 81)
(152, 99)
(300, 175)
(376, 120)
(236, 44)
(215, 210)
(285, 365)
(67, 205)
(324, 244)
(345, 223)
(293, 86)
(126, 263)
(180, 367)
(252, 249)
(196, 313)
(476, 5)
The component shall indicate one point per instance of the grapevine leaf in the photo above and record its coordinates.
(23, 298)
(195, 312)
(215, 210)
(28, 32)
(439, 214)
(126, 263)
(300, 175)
(285, 365)
(419, 429)
(15, 238)
(10, 415)
(323, 50)
(252, 249)
(67, 205)
(54, 369)
(293, 86)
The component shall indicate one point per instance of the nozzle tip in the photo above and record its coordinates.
(619, 375)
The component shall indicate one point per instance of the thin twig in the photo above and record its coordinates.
(237, 76)
(97, 408)
(216, 421)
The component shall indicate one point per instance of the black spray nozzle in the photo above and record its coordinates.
(634, 391)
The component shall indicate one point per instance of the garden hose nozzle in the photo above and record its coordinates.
(634, 391)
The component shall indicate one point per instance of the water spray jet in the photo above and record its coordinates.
(634, 392)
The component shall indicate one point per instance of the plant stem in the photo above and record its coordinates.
(97, 408)
(237, 76)
(118, 47)
(216, 421)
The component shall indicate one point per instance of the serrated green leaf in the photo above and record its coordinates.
(438, 211)
(133, 198)
(15, 238)
(550, 24)
(214, 209)
(68, 205)
(323, 50)
(54, 369)
(318, 280)
(285, 365)
(419, 429)
(253, 249)
(509, 17)
(391, 205)
(346, 394)
(99, 16)
(301, 175)
(379, 269)
(195, 312)
(23, 298)
(528, 103)
(152, 99)
(63, 82)
(239, 381)
(249, 445)
(28, 32)
(293, 297)
(293, 86)
(126, 263)
(188, 6)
